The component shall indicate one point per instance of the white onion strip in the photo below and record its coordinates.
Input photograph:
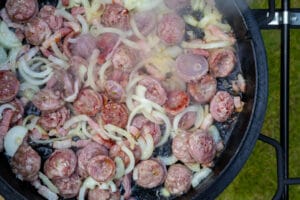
(201, 45)
(23, 64)
(169, 160)
(48, 183)
(84, 130)
(89, 183)
(63, 13)
(32, 80)
(129, 153)
(200, 176)
(215, 134)
(83, 23)
(167, 122)
(73, 96)
(131, 44)
(6, 106)
(133, 113)
(58, 62)
(102, 71)
(147, 145)
(57, 51)
(120, 168)
(114, 129)
(136, 30)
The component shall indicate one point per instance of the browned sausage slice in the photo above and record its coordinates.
(52, 120)
(47, 100)
(84, 46)
(202, 147)
(171, 28)
(9, 86)
(20, 10)
(221, 62)
(47, 13)
(84, 156)
(60, 164)
(68, 187)
(99, 194)
(101, 168)
(36, 31)
(88, 102)
(124, 58)
(191, 67)
(221, 106)
(178, 179)
(176, 102)
(26, 163)
(115, 113)
(180, 148)
(105, 43)
(150, 173)
(155, 92)
(116, 16)
(114, 90)
(204, 90)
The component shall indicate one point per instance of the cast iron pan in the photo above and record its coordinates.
(240, 136)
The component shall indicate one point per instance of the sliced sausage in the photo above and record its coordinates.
(221, 106)
(84, 46)
(191, 67)
(124, 58)
(116, 151)
(37, 31)
(19, 110)
(101, 168)
(171, 28)
(116, 16)
(145, 22)
(47, 14)
(146, 126)
(84, 156)
(88, 102)
(114, 90)
(177, 4)
(4, 125)
(9, 86)
(115, 113)
(20, 10)
(46, 100)
(203, 90)
(178, 179)
(180, 148)
(155, 92)
(221, 62)
(60, 164)
(26, 163)
(202, 147)
(187, 121)
(99, 194)
(176, 102)
(150, 173)
(68, 187)
(56, 119)
(106, 43)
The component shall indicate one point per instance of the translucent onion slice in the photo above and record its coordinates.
(63, 64)
(207, 122)
(73, 96)
(34, 74)
(131, 44)
(147, 145)
(215, 133)
(6, 106)
(57, 51)
(195, 167)
(201, 45)
(62, 144)
(133, 113)
(83, 23)
(13, 139)
(102, 76)
(63, 13)
(167, 131)
(112, 128)
(84, 130)
(89, 183)
(200, 176)
(74, 120)
(164, 192)
(168, 160)
(34, 81)
(120, 168)
(8, 39)
(148, 103)
(33, 121)
(48, 183)
(129, 153)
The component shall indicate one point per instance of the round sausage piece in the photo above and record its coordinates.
(26, 163)
(84, 46)
(47, 14)
(178, 179)
(68, 187)
(180, 148)
(176, 102)
(221, 62)
(202, 147)
(88, 102)
(47, 100)
(191, 67)
(114, 90)
(99, 194)
(116, 16)
(36, 31)
(84, 156)
(204, 90)
(124, 58)
(101, 168)
(21, 10)
(177, 4)
(145, 21)
(150, 173)
(155, 92)
(60, 164)
(105, 43)
(221, 106)
(115, 113)
(187, 121)
(9, 86)
(171, 28)
(52, 120)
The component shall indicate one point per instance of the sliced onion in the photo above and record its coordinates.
(6, 106)
(201, 45)
(57, 51)
(129, 153)
(73, 96)
(63, 144)
(33, 121)
(195, 167)
(215, 134)
(30, 53)
(89, 183)
(74, 120)
(3, 55)
(131, 44)
(168, 160)
(165, 193)
(63, 13)
(48, 183)
(112, 185)
(200, 176)
(48, 141)
(13, 139)
(47, 193)
(167, 131)
(136, 30)
(207, 122)
(34, 74)
(120, 168)
(8, 39)
(147, 102)
(58, 62)
(102, 76)
(173, 51)
(84, 25)
(112, 128)
(147, 145)
(133, 113)
(73, 25)
(84, 130)
(91, 69)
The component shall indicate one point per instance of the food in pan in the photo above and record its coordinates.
(101, 98)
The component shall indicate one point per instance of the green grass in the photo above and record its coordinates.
(257, 179)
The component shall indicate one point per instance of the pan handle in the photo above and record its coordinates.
(265, 16)
(280, 163)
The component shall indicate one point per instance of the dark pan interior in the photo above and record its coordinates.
(243, 134)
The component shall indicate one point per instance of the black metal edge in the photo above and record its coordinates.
(259, 108)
